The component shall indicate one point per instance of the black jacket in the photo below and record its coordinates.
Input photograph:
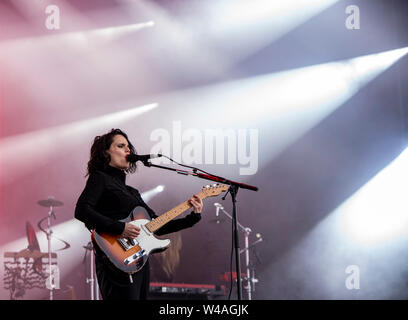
(107, 199)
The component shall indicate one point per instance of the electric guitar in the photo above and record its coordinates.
(130, 255)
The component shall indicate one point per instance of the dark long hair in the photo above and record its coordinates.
(100, 158)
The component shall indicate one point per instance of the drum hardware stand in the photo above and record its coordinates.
(251, 279)
(250, 268)
(92, 280)
(49, 233)
(51, 203)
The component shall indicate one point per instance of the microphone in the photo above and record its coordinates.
(136, 157)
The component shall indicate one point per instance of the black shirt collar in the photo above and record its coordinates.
(117, 173)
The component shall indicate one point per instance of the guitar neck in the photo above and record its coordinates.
(160, 221)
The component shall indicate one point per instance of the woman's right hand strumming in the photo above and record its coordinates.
(130, 231)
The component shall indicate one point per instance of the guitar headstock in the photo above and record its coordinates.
(214, 190)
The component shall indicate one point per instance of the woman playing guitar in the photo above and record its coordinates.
(106, 199)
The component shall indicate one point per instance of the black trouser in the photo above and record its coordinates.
(116, 285)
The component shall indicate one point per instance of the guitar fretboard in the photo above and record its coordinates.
(160, 221)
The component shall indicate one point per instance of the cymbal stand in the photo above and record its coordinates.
(49, 233)
(248, 287)
(250, 280)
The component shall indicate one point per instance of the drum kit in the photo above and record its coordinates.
(18, 278)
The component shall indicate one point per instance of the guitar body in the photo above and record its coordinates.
(127, 256)
(130, 255)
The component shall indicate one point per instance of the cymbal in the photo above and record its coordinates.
(216, 221)
(50, 202)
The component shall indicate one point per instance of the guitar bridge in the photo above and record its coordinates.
(127, 243)
(134, 257)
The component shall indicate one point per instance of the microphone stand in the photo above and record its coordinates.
(233, 190)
